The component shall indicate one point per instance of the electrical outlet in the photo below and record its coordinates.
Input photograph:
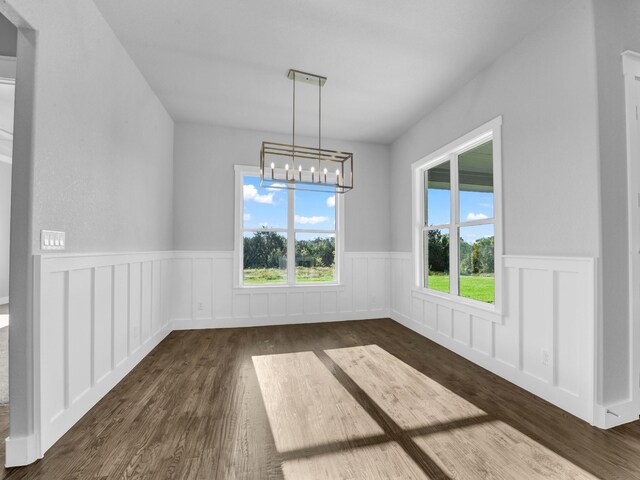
(200, 306)
(545, 356)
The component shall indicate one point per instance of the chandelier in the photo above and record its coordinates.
(301, 167)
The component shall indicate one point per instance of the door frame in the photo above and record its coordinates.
(631, 70)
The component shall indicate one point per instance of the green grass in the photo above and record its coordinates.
(477, 287)
(264, 275)
(257, 276)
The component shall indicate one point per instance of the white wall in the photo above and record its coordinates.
(204, 183)
(92, 157)
(616, 29)
(545, 89)
(5, 218)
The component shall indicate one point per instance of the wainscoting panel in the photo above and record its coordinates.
(543, 340)
(202, 277)
(96, 316)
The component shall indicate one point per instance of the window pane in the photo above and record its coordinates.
(475, 174)
(477, 263)
(265, 257)
(438, 198)
(437, 259)
(315, 209)
(263, 207)
(315, 257)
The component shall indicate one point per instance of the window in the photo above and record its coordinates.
(288, 237)
(456, 200)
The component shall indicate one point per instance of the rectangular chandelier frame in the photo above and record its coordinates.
(305, 168)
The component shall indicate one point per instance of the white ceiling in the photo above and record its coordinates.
(225, 62)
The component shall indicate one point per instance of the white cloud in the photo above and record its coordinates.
(310, 220)
(250, 193)
(331, 201)
(246, 217)
(476, 216)
(276, 187)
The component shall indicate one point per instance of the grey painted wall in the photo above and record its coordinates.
(93, 156)
(5, 219)
(617, 28)
(545, 88)
(8, 38)
(204, 183)
(104, 162)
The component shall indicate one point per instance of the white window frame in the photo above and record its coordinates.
(242, 171)
(491, 130)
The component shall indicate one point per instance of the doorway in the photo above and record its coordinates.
(7, 99)
(8, 52)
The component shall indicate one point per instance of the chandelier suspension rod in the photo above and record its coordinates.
(319, 124)
(293, 139)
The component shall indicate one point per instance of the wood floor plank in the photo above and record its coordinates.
(193, 408)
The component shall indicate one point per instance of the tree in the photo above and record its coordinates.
(438, 253)
(486, 255)
(477, 258)
(264, 250)
(319, 251)
(269, 250)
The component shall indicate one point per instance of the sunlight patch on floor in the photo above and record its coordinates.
(385, 460)
(321, 409)
(306, 406)
(410, 398)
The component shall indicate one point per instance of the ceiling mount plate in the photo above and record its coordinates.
(305, 77)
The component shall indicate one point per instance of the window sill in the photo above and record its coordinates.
(329, 287)
(473, 307)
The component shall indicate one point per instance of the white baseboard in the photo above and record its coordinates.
(21, 451)
(4, 300)
(233, 322)
(617, 414)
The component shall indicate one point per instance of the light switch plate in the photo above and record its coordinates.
(52, 240)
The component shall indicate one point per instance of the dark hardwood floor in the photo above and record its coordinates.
(193, 409)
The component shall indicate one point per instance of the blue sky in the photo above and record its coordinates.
(473, 206)
(267, 207)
